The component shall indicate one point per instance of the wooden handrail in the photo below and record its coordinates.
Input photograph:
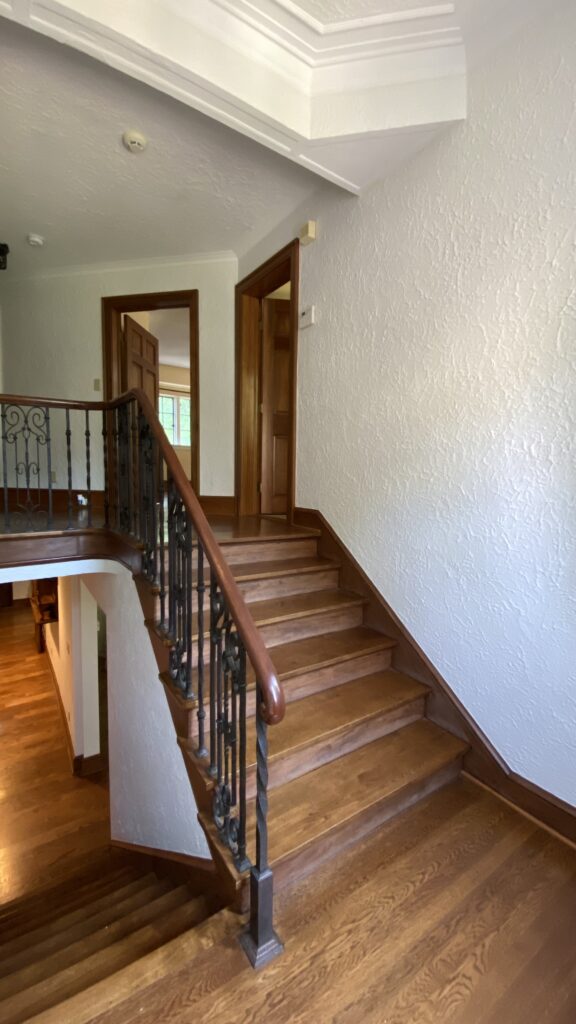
(273, 704)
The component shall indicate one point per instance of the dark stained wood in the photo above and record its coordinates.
(67, 546)
(278, 270)
(51, 821)
(218, 504)
(140, 360)
(112, 309)
(276, 405)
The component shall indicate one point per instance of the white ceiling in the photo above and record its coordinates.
(64, 174)
(329, 11)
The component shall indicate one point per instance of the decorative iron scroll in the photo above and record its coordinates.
(26, 467)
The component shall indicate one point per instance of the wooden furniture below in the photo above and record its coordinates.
(44, 604)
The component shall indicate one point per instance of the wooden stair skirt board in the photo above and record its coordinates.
(482, 762)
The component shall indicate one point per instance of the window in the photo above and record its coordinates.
(175, 416)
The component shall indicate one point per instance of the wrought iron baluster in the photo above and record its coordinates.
(200, 591)
(136, 485)
(213, 770)
(162, 541)
(5, 468)
(260, 941)
(88, 467)
(180, 591)
(106, 471)
(69, 465)
(49, 465)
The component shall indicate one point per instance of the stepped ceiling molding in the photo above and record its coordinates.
(346, 88)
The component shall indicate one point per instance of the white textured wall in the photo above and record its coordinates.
(437, 395)
(52, 342)
(151, 800)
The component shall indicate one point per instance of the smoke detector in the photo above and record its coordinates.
(37, 241)
(135, 141)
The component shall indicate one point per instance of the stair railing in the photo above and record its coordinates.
(202, 617)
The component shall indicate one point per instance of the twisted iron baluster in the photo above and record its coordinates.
(88, 475)
(200, 590)
(260, 941)
(69, 464)
(162, 544)
(48, 464)
(213, 770)
(106, 476)
(5, 470)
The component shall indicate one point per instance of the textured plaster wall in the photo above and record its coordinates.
(437, 395)
(52, 341)
(151, 801)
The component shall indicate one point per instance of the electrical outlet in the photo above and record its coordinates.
(97, 384)
(53, 476)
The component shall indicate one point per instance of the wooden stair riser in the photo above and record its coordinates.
(237, 552)
(329, 621)
(295, 688)
(316, 853)
(285, 586)
(295, 763)
(100, 965)
(158, 903)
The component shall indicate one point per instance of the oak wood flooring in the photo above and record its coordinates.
(50, 821)
(459, 911)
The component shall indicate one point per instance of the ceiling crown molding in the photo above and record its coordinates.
(347, 99)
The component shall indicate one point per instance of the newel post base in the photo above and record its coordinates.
(259, 941)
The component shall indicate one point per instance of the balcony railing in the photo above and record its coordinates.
(74, 465)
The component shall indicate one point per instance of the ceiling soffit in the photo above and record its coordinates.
(346, 88)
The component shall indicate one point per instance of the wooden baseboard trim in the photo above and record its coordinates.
(536, 804)
(218, 505)
(92, 765)
(69, 745)
(189, 860)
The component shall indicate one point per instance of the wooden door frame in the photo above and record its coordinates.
(112, 308)
(278, 270)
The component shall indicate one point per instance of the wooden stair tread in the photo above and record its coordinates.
(169, 958)
(319, 802)
(332, 710)
(65, 931)
(255, 570)
(300, 605)
(98, 871)
(161, 899)
(67, 918)
(316, 652)
(94, 968)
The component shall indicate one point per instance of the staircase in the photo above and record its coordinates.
(105, 927)
(354, 747)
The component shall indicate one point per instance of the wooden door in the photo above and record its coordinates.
(140, 360)
(276, 405)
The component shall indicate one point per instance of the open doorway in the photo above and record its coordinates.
(151, 342)
(266, 356)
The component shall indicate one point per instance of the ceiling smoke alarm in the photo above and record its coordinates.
(135, 141)
(35, 240)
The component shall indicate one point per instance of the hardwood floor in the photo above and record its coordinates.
(459, 911)
(50, 821)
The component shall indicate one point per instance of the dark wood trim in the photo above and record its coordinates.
(29, 549)
(112, 308)
(218, 504)
(59, 499)
(543, 807)
(281, 268)
(66, 727)
(95, 764)
(483, 762)
(198, 863)
(199, 873)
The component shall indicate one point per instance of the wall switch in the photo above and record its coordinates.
(307, 317)
(53, 476)
(97, 384)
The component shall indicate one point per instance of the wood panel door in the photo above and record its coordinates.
(276, 405)
(140, 360)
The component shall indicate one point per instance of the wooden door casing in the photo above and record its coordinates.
(276, 405)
